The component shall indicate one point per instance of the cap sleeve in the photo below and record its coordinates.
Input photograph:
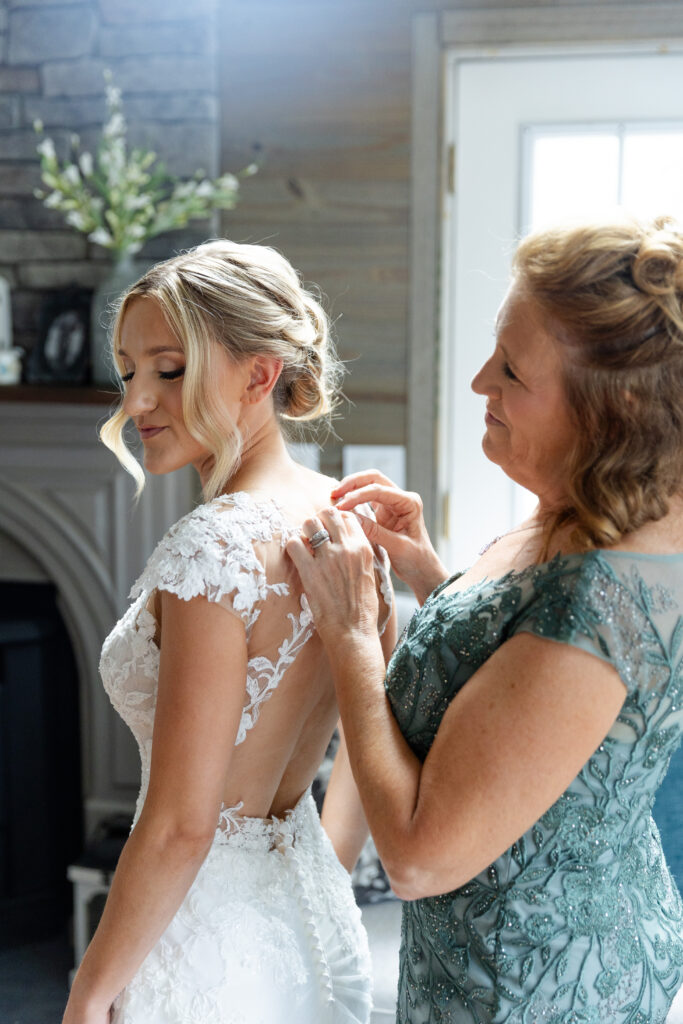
(211, 555)
(588, 606)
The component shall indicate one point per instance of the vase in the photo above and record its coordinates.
(122, 274)
(10, 365)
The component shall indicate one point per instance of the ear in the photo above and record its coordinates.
(264, 372)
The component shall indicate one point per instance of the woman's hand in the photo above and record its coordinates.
(338, 576)
(400, 528)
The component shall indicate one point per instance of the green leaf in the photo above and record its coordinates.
(120, 175)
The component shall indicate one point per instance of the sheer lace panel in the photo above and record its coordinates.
(220, 550)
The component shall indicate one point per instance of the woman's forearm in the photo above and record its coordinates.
(151, 880)
(386, 771)
(427, 576)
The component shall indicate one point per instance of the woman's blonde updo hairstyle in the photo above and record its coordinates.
(612, 295)
(250, 300)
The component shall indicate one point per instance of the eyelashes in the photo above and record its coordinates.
(509, 373)
(164, 375)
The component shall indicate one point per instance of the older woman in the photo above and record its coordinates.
(509, 763)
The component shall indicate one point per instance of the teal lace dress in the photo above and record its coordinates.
(579, 922)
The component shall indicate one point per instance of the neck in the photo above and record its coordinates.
(264, 455)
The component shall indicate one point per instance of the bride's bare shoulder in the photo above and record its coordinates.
(305, 492)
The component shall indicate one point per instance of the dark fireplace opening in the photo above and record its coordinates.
(40, 782)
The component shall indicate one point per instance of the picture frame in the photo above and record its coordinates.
(61, 355)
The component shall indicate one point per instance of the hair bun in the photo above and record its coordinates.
(658, 265)
(308, 386)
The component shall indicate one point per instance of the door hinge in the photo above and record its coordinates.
(446, 515)
(450, 169)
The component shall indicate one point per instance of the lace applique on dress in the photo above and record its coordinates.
(212, 554)
(269, 931)
(209, 552)
(263, 676)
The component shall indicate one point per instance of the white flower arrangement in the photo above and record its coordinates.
(121, 199)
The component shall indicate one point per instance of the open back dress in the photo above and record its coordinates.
(269, 932)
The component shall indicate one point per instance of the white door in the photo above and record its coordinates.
(536, 137)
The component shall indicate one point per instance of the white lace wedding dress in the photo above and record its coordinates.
(269, 932)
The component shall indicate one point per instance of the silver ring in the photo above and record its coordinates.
(319, 538)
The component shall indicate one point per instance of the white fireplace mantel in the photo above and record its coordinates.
(67, 513)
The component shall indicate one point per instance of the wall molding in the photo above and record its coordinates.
(426, 124)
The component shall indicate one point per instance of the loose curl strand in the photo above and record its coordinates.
(612, 295)
(249, 300)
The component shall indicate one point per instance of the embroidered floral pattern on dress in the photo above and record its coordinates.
(208, 552)
(269, 931)
(579, 922)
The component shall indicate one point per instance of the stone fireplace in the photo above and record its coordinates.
(67, 518)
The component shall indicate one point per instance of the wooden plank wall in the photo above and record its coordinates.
(320, 91)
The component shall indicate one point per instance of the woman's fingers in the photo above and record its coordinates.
(327, 527)
(311, 526)
(337, 576)
(355, 480)
(343, 527)
(315, 533)
(375, 533)
(374, 493)
(300, 554)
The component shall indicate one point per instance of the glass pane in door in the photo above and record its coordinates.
(572, 175)
(653, 173)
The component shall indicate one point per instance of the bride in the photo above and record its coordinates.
(229, 904)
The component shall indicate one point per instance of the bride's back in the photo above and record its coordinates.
(290, 709)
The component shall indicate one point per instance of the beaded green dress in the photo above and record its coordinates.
(579, 922)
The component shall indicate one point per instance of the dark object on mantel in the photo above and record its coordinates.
(77, 394)
(61, 355)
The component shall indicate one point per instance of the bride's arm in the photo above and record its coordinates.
(342, 815)
(200, 695)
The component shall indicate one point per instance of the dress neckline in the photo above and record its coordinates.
(554, 562)
(247, 496)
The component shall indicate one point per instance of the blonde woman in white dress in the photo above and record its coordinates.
(229, 904)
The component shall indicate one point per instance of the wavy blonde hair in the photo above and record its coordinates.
(612, 295)
(249, 300)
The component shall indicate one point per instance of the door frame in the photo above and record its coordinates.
(437, 39)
